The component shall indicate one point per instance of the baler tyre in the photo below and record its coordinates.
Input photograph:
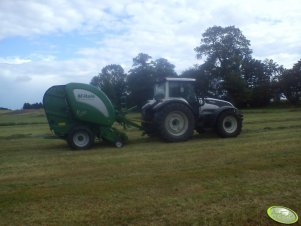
(175, 122)
(228, 125)
(81, 138)
(118, 144)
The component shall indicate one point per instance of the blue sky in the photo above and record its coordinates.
(44, 43)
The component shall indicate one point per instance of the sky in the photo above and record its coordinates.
(45, 43)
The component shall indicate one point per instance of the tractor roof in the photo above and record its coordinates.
(181, 79)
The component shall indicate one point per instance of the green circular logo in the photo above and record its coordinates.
(282, 214)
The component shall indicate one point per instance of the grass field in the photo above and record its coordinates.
(205, 181)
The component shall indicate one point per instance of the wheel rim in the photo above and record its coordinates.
(176, 123)
(230, 124)
(81, 139)
(118, 144)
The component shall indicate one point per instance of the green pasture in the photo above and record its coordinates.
(205, 181)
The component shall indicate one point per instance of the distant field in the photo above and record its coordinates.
(205, 181)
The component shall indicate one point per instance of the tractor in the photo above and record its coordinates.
(176, 111)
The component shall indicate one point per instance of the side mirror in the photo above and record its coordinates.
(201, 101)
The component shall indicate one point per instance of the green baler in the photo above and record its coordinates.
(79, 112)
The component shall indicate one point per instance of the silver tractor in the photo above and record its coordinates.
(176, 111)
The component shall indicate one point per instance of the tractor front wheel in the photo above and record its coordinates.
(175, 122)
(228, 125)
(80, 138)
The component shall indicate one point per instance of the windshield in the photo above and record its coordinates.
(159, 91)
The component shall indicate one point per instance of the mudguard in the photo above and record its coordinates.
(161, 104)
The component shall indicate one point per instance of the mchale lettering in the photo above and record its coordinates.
(86, 96)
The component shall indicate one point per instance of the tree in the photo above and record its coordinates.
(224, 50)
(142, 60)
(236, 88)
(26, 106)
(111, 81)
(140, 80)
(258, 75)
(32, 106)
(290, 83)
(225, 47)
(143, 75)
(202, 78)
(275, 71)
(163, 69)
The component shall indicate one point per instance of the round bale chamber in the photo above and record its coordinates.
(90, 104)
(80, 112)
(59, 116)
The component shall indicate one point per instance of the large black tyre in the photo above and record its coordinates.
(175, 122)
(147, 123)
(228, 124)
(81, 138)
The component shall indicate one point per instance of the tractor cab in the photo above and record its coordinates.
(176, 88)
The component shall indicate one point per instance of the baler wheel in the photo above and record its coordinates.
(118, 144)
(80, 138)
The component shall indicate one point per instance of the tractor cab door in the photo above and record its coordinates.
(185, 90)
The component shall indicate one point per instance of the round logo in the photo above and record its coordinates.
(282, 214)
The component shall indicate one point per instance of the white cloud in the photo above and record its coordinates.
(14, 60)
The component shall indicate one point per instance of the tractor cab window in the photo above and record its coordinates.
(159, 92)
(182, 89)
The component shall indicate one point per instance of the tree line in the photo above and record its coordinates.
(32, 106)
(228, 71)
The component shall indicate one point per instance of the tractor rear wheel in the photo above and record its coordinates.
(147, 123)
(228, 125)
(80, 138)
(175, 122)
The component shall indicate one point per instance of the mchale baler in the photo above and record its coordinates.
(78, 113)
